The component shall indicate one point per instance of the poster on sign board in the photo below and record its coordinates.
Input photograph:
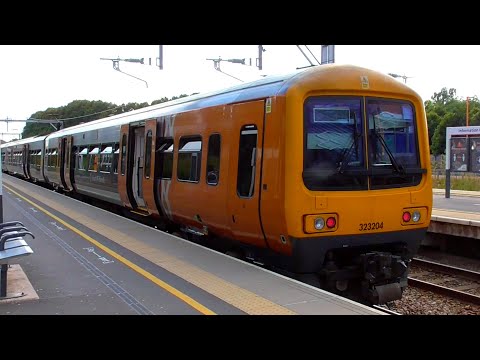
(474, 154)
(459, 154)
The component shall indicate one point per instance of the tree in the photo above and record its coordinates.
(82, 111)
(72, 114)
(444, 110)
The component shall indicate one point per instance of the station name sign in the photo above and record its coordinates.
(463, 130)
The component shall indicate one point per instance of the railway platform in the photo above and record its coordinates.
(457, 216)
(89, 261)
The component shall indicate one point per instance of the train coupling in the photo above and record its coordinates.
(385, 275)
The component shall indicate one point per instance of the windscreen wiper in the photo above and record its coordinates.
(397, 167)
(346, 157)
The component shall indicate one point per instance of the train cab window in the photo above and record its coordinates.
(213, 159)
(189, 159)
(164, 159)
(124, 154)
(115, 158)
(247, 161)
(333, 143)
(148, 154)
(93, 158)
(106, 158)
(393, 144)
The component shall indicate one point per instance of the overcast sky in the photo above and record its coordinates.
(36, 77)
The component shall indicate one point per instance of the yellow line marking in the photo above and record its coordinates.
(242, 299)
(187, 299)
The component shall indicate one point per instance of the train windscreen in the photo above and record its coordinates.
(337, 130)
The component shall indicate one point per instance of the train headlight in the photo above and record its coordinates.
(416, 216)
(319, 223)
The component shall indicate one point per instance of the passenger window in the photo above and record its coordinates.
(38, 160)
(52, 158)
(83, 159)
(247, 161)
(115, 158)
(106, 158)
(164, 159)
(148, 154)
(213, 159)
(189, 159)
(93, 158)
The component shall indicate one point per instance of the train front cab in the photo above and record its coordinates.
(359, 193)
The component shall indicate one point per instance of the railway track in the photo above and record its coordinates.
(385, 310)
(445, 280)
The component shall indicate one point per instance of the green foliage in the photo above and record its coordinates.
(80, 111)
(446, 110)
(74, 113)
(468, 182)
(159, 101)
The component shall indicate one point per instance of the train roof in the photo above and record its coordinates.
(262, 88)
(24, 141)
(265, 87)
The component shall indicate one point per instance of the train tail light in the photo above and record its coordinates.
(414, 216)
(320, 223)
(331, 222)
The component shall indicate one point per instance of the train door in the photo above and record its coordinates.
(26, 161)
(138, 165)
(124, 187)
(245, 171)
(132, 149)
(149, 165)
(67, 163)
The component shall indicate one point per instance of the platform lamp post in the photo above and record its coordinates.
(468, 101)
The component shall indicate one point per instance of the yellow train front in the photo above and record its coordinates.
(355, 180)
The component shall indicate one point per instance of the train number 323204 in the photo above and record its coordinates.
(371, 226)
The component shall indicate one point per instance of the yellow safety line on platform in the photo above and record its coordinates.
(187, 299)
(236, 296)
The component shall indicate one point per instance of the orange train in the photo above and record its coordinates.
(323, 173)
